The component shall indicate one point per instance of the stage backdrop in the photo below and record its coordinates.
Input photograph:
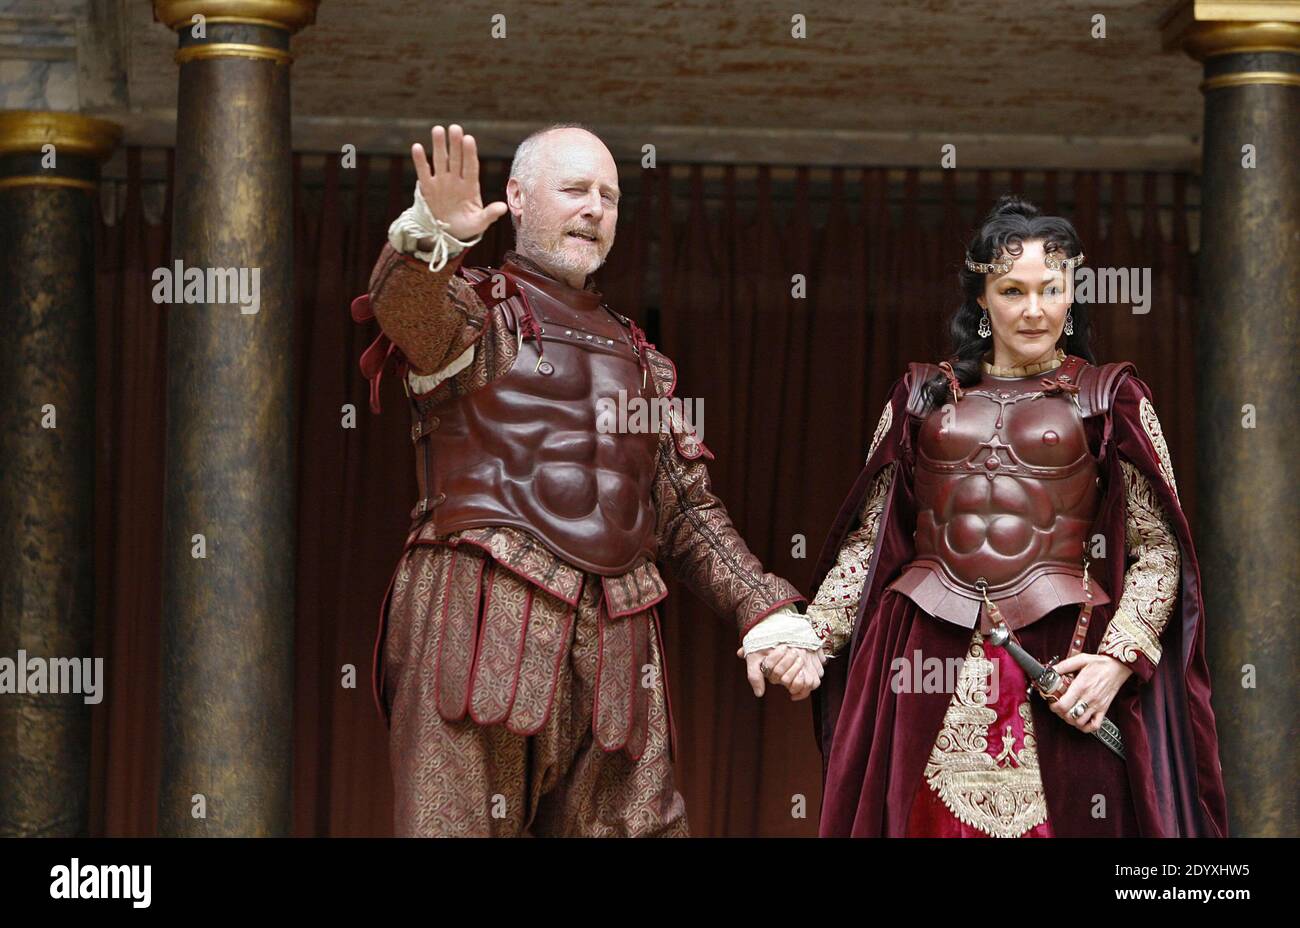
(792, 388)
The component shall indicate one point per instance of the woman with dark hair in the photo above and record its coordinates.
(1017, 504)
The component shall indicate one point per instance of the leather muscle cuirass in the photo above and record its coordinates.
(1006, 490)
(525, 451)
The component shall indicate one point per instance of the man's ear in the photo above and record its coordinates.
(515, 196)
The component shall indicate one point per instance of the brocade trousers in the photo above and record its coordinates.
(498, 725)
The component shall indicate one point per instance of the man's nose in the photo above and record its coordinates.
(594, 206)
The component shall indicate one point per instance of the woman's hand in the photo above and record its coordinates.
(809, 676)
(1097, 680)
(797, 669)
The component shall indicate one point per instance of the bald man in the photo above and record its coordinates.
(519, 662)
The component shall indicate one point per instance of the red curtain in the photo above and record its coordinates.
(789, 302)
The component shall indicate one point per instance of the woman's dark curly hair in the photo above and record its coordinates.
(1012, 222)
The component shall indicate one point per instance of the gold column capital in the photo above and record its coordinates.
(71, 133)
(1205, 28)
(289, 15)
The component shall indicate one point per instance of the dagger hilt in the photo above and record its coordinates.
(1050, 684)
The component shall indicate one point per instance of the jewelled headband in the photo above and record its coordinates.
(1002, 266)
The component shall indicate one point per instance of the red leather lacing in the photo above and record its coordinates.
(641, 344)
(1052, 385)
(528, 327)
(954, 385)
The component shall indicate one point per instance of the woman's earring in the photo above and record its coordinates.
(1069, 323)
(986, 329)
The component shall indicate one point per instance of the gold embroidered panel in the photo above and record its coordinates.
(1000, 795)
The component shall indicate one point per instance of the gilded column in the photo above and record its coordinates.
(1248, 338)
(230, 496)
(49, 170)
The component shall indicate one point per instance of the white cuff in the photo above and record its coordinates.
(417, 222)
(426, 383)
(785, 626)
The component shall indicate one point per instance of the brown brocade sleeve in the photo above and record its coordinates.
(700, 546)
(432, 316)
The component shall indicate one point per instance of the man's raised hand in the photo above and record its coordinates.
(449, 183)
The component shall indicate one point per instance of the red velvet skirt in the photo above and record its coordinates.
(903, 764)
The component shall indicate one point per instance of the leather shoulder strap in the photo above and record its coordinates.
(1097, 386)
(623, 320)
(483, 279)
(918, 374)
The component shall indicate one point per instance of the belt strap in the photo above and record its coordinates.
(1080, 630)
(1085, 614)
(993, 616)
(421, 427)
(426, 504)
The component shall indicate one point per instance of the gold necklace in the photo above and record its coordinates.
(1025, 370)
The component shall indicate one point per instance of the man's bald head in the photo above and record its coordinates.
(543, 148)
(563, 198)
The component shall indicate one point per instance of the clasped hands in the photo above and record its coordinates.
(799, 670)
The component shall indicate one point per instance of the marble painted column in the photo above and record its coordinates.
(230, 499)
(49, 170)
(1248, 341)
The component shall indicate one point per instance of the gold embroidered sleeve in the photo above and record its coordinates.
(1151, 581)
(835, 606)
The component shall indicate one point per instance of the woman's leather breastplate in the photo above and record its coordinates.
(1006, 490)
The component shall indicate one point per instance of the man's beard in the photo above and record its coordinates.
(553, 256)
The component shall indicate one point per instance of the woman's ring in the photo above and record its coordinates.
(1079, 709)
